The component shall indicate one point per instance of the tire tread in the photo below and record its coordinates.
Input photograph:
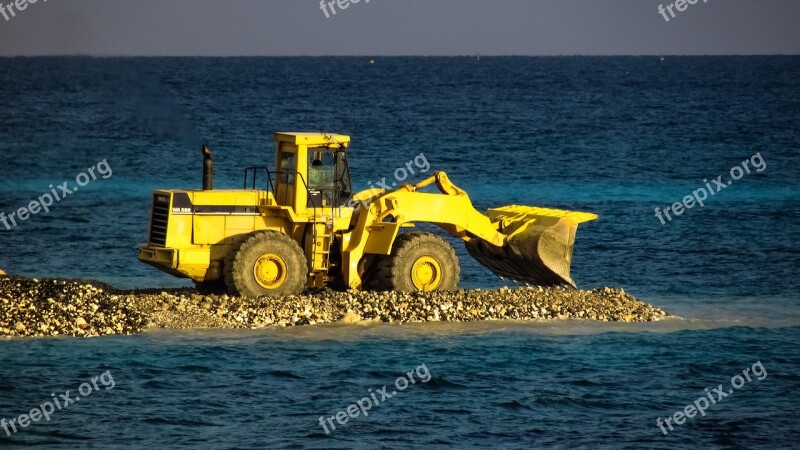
(237, 271)
(388, 274)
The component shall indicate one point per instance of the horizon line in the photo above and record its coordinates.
(473, 55)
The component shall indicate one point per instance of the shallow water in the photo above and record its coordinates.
(511, 385)
(616, 136)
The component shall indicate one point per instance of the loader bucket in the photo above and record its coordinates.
(538, 249)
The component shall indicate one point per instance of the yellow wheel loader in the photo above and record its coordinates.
(306, 228)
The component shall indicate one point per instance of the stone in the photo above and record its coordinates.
(63, 307)
(351, 317)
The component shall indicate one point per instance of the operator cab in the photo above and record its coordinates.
(311, 171)
(329, 183)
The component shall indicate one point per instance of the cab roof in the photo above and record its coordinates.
(311, 139)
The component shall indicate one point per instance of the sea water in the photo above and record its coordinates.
(618, 136)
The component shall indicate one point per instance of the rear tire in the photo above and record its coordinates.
(419, 262)
(266, 263)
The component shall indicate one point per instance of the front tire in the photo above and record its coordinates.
(266, 263)
(419, 262)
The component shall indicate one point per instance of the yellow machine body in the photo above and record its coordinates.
(194, 232)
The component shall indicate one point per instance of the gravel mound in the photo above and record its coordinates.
(31, 307)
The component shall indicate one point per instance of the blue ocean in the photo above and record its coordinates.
(618, 136)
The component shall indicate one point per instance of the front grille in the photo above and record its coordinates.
(159, 219)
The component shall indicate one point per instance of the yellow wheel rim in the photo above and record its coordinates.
(426, 274)
(270, 271)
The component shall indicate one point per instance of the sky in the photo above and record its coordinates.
(398, 27)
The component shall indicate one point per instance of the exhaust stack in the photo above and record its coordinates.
(208, 169)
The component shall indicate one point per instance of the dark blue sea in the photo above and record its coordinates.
(618, 136)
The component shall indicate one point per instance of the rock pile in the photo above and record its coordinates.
(30, 307)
